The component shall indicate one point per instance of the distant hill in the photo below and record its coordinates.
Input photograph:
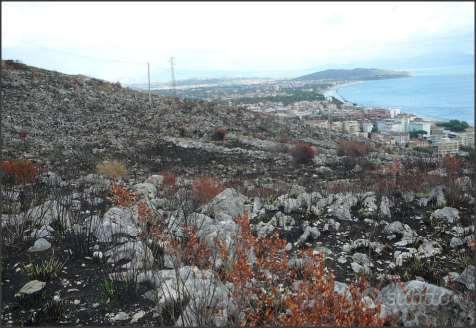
(196, 82)
(353, 74)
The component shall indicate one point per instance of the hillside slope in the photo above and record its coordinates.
(82, 120)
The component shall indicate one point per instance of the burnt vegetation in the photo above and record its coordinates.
(164, 219)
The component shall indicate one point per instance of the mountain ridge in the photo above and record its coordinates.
(355, 74)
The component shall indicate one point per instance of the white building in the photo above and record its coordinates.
(447, 146)
(466, 138)
(437, 134)
(337, 126)
(404, 121)
(390, 125)
(400, 138)
(420, 126)
(367, 127)
(351, 126)
(394, 112)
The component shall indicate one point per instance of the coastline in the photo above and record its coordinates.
(333, 91)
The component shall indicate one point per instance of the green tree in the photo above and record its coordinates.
(454, 125)
(417, 133)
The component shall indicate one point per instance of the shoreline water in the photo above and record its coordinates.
(333, 91)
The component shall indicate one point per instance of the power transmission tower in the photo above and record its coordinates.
(329, 118)
(148, 78)
(172, 72)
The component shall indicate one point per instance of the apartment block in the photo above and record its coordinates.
(447, 146)
(351, 126)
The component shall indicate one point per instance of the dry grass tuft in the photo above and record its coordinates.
(113, 169)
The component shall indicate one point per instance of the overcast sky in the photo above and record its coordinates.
(93, 38)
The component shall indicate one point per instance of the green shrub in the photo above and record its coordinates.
(112, 290)
(45, 271)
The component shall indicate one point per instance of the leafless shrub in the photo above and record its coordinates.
(352, 148)
(219, 134)
(303, 153)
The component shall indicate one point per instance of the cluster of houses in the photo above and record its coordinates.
(385, 125)
(391, 127)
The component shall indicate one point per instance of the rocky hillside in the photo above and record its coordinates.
(266, 222)
(81, 121)
(180, 252)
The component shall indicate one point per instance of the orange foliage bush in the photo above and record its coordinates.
(121, 196)
(455, 195)
(23, 171)
(144, 212)
(452, 165)
(267, 296)
(195, 252)
(170, 180)
(205, 189)
(303, 153)
(352, 148)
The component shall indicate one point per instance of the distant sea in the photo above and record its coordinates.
(442, 93)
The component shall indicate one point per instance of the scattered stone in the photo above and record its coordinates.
(400, 256)
(137, 316)
(448, 214)
(467, 277)
(394, 227)
(309, 231)
(438, 196)
(264, 229)
(342, 259)
(44, 232)
(418, 303)
(116, 221)
(429, 248)
(155, 180)
(342, 289)
(362, 259)
(358, 243)
(227, 205)
(385, 207)
(145, 190)
(135, 253)
(357, 268)
(288, 204)
(341, 205)
(369, 204)
(408, 196)
(121, 316)
(456, 242)
(40, 245)
(30, 288)
(451, 277)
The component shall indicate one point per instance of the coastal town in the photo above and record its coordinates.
(386, 125)
(317, 105)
